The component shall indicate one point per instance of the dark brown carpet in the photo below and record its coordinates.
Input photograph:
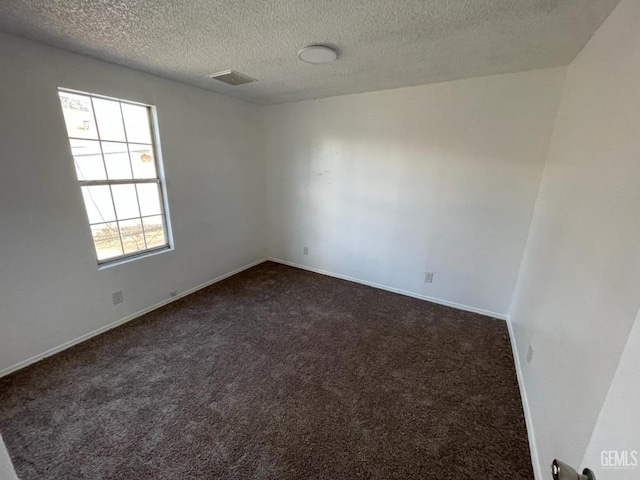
(275, 373)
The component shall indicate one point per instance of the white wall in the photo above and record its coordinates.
(6, 467)
(618, 426)
(385, 186)
(578, 291)
(51, 289)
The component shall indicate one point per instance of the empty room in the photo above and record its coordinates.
(320, 240)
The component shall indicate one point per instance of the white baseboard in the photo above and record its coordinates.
(446, 303)
(535, 459)
(126, 319)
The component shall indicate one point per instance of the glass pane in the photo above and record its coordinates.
(136, 121)
(142, 161)
(109, 119)
(132, 236)
(99, 205)
(149, 199)
(116, 158)
(124, 196)
(87, 159)
(154, 231)
(78, 115)
(106, 240)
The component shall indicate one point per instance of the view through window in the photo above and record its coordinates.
(114, 153)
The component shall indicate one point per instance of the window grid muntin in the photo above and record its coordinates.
(135, 188)
(104, 164)
(133, 181)
(126, 219)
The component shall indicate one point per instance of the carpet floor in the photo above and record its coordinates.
(275, 373)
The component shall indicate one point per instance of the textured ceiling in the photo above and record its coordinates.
(382, 43)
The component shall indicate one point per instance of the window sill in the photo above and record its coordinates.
(132, 258)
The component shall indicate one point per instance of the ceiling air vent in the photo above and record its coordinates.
(231, 77)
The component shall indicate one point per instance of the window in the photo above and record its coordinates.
(116, 161)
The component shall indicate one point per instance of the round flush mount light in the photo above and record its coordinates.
(317, 54)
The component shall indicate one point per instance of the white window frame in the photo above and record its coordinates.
(159, 180)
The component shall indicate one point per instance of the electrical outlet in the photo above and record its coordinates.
(173, 293)
(530, 353)
(117, 297)
(305, 250)
(428, 277)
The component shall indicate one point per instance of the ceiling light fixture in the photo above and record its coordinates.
(317, 54)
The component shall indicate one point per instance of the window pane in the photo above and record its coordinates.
(78, 115)
(106, 240)
(116, 158)
(149, 199)
(99, 205)
(132, 236)
(154, 231)
(136, 121)
(124, 196)
(109, 119)
(112, 143)
(87, 159)
(142, 161)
